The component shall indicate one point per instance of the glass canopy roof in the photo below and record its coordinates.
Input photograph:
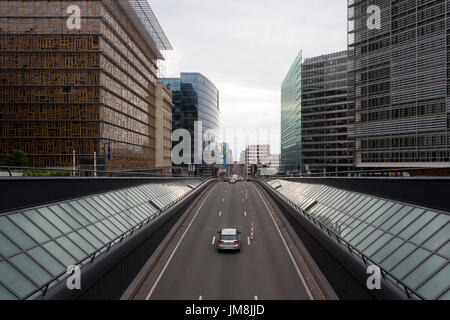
(38, 244)
(410, 242)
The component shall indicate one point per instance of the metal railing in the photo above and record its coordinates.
(107, 247)
(63, 172)
(344, 243)
(391, 172)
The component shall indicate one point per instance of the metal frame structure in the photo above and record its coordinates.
(357, 199)
(138, 197)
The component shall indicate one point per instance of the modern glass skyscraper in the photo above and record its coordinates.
(325, 143)
(291, 101)
(400, 83)
(195, 98)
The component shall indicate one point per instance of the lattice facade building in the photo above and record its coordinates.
(83, 90)
(399, 83)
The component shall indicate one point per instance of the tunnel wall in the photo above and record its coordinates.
(17, 193)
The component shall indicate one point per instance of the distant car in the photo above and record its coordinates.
(229, 240)
(232, 181)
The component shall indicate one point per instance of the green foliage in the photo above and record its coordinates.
(16, 159)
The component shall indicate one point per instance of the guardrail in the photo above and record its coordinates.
(57, 172)
(116, 241)
(410, 293)
(392, 172)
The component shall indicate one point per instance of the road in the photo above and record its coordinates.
(262, 270)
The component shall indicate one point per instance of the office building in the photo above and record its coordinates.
(163, 126)
(195, 99)
(88, 89)
(324, 112)
(258, 154)
(400, 84)
(291, 117)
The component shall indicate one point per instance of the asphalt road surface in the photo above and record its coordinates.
(262, 270)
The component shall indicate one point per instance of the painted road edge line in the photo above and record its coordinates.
(176, 248)
(308, 291)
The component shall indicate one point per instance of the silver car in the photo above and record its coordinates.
(229, 240)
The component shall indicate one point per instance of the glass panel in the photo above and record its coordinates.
(378, 244)
(17, 236)
(363, 235)
(15, 280)
(387, 249)
(59, 254)
(438, 239)
(5, 294)
(57, 222)
(410, 263)
(371, 238)
(98, 234)
(105, 230)
(83, 211)
(396, 217)
(65, 217)
(92, 240)
(418, 224)
(406, 221)
(112, 227)
(446, 296)
(415, 278)
(96, 207)
(7, 248)
(372, 209)
(351, 233)
(379, 212)
(46, 260)
(83, 244)
(398, 255)
(43, 223)
(32, 269)
(114, 200)
(386, 215)
(445, 250)
(430, 229)
(74, 214)
(70, 247)
(29, 227)
(437, 284)
(108, 204)
(117, 224)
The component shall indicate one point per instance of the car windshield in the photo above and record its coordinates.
(229, 237)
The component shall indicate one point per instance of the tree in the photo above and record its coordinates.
(16, 159)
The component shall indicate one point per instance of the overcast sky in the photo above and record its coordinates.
(246, 47)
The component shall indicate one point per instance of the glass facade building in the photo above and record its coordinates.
(195, 98)
(409, 242)
(325, 143)
(400, 83)
(90, 89)
(291, 102)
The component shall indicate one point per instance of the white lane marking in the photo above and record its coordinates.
(248, 239)
(308, 291)
(256, 297)
(223, 200)
(176, 248)
(220, 213)
(245, 213)
(214, 240)
(200, 298)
